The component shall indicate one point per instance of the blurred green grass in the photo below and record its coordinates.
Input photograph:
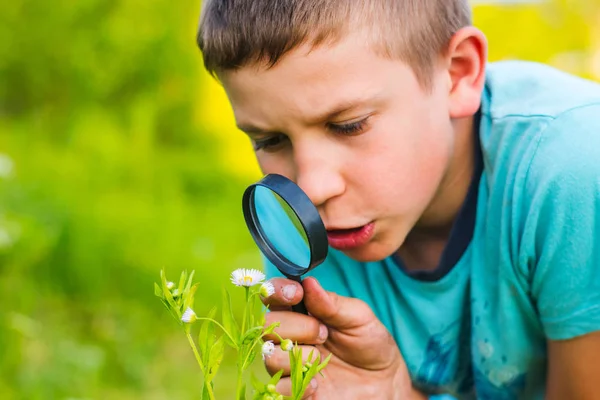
(125, 160)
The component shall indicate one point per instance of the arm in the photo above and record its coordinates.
(574, 368)
(563, 236)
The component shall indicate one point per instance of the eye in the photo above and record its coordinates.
(349, 129)
(270, 143)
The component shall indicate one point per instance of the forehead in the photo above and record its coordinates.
(309, 79)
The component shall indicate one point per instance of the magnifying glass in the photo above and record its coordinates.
(286, 226)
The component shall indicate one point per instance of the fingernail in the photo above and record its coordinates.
(314, 383)
(289, 291)
(323, 332)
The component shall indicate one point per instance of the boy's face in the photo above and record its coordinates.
(356, 132)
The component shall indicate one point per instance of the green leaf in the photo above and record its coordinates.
(206, 336)
(215, 358)
(261, 319)
(258, 385)
(255, 307)
(271, 328)
(251, 335)
(312, 371)
(158, 291)
(296, 371)
(275, 378)
(188, 293)
(182, 280)
(229, 322)
(189, 282)
(249, 354)
(188, 299)
(324, 363)
(173, 307)
(166, 304)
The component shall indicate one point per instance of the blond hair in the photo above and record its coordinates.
(237, 33)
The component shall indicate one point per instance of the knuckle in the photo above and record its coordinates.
(312, 328)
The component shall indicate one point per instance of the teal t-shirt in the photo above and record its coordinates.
(522, 264)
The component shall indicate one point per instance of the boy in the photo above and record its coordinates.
(461, 204)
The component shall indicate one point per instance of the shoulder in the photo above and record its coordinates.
(527, 89)
(567, 150)
(535, 117)
(561, 188)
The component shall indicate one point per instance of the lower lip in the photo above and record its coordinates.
(351, 238)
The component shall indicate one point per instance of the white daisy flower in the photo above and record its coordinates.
(268, 348)
(246, 277)
(267, 289)
(189, 316)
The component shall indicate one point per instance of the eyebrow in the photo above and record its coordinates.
(250, 129)
(333, 112)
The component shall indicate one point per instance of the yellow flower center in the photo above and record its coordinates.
(247, 279)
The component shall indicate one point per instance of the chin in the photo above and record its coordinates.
(371, 252)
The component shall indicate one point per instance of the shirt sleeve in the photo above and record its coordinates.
(562, 224)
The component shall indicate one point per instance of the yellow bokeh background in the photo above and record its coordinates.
(119, 156)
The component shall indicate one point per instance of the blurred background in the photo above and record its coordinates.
(119, 157)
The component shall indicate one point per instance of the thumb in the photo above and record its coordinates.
(334, 310)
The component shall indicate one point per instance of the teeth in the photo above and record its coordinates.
(346, 230)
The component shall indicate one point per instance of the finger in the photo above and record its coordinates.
(284, 387)
(280, 308)
(296, 327)
(333, 310)
(280, 360)
(287, 293)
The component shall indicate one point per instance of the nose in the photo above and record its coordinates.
(318, 175)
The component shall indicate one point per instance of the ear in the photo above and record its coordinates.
(466, 59)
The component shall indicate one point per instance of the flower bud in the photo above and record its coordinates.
(268, 349)
(267, 289)
(287, 345)
(189, 316)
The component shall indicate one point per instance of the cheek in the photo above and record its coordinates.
(402, 169)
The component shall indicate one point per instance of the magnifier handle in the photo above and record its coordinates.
(300, 308)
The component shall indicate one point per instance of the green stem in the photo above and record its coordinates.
(220, 326)
(201, 364)
(239, 387)
(255, 343)
(249, 353)
(245, 310)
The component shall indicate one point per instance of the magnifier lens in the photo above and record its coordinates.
(286, 226)
(282, 228)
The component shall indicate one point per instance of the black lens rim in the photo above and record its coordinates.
(307, 214)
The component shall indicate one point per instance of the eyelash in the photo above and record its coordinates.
(271, 143)
(349, 129)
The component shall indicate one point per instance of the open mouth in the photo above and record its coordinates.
(346, 239)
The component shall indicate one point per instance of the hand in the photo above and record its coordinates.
(365, 363)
